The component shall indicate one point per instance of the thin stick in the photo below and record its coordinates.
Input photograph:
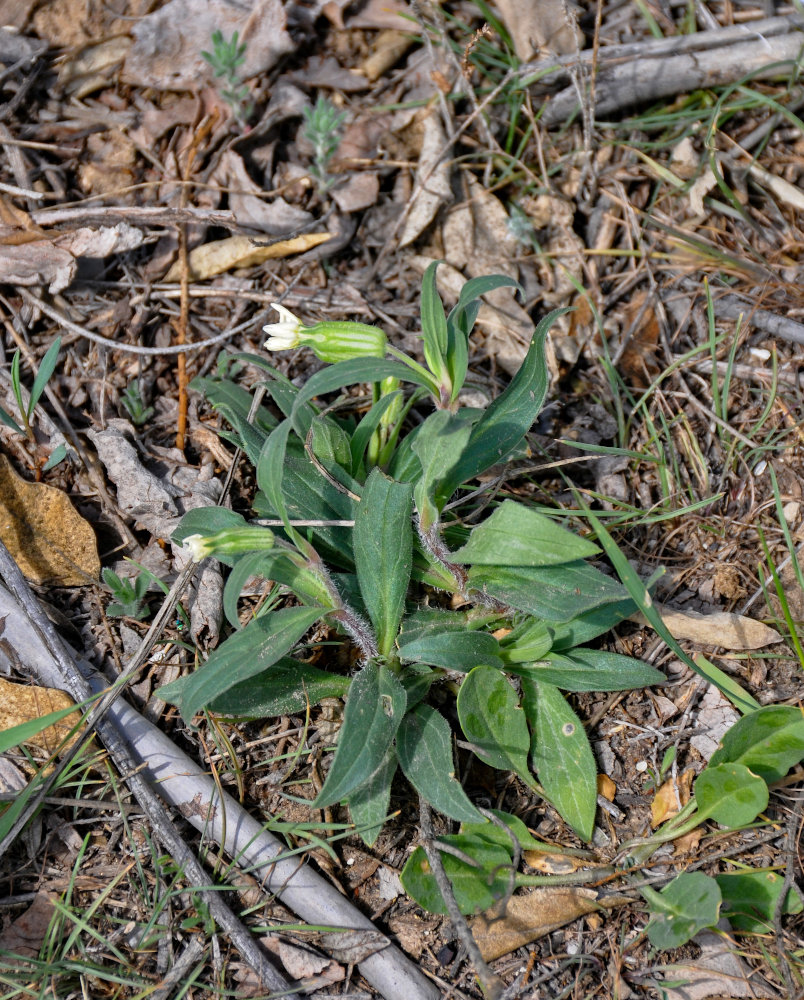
(492, 985)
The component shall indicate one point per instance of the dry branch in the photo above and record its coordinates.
(637, 73)
(186, 787)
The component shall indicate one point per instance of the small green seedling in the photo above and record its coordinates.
(41, 379)
(128, 595)
(322, 128)
(225, 59)
(132, 400)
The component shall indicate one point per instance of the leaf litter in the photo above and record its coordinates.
(611, 221)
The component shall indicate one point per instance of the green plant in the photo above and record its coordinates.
(322, 124)
(46, 369)
(225, 59)
(132, 400)
(127, 595)
(363, 536)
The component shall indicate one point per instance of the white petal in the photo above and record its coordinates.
(285, 315)
(196, 546)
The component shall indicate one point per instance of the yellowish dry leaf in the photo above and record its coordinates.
(673, 795)
(21, 703)
(49, 540)
(721, 628)
(534, 914)
(606, 787)
(240, 251)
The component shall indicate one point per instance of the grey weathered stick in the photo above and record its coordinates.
(649, 78)
(67, 674)
(184, 785)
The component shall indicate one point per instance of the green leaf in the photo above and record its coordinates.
(529, 640)
(56, 456)
(358, 370)
(493, 722)
(591, 624)
(562, 757)
(427, 622)
(279, 567)
(9, 421)
(374, 711)
(434, 322)
(383, 549)
(271, 470)
(690, 903)
(590, 670)
(476, 886)
(46, 369)
(288, 686)
(493, 833)
(515, 535)
(453, 651)
(369, 803)
(370, 422)
(750, 899)
(730, 794)
(769, 741)
(555, 593)
(438, 445)
(244, 655)
(424, 749)
(506, 421)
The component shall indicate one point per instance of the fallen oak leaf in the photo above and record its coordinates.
(48, 538)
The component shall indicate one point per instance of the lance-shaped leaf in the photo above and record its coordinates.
(769, 741)
(510, 416)
(516, 535)
(434, 322)
(438, 444)
(245, 654)
(374, 711)
(383, 549)
(424, 749)
(453, 650)
(562, 756)
(493, 722)
(590, 670)
(368, 804)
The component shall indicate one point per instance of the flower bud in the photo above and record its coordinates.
(331, 341)
(229, 542)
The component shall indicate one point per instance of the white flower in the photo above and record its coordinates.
(284, 335)
(197, 546)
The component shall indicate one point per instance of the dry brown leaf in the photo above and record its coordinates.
(248, 204)
(532, 915)
(719, 971)
(357, 193)
(606, 787)
(21, 703)
(720, 628)
(671, 798)
(389, 47)
(49, 540)
(101, 242)
(37, 263)
(305, 964)
(166, 54)
(548, 24)
(240, 251)
(553, 864)
(433, 187)
(93, 66)
(24, 936)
